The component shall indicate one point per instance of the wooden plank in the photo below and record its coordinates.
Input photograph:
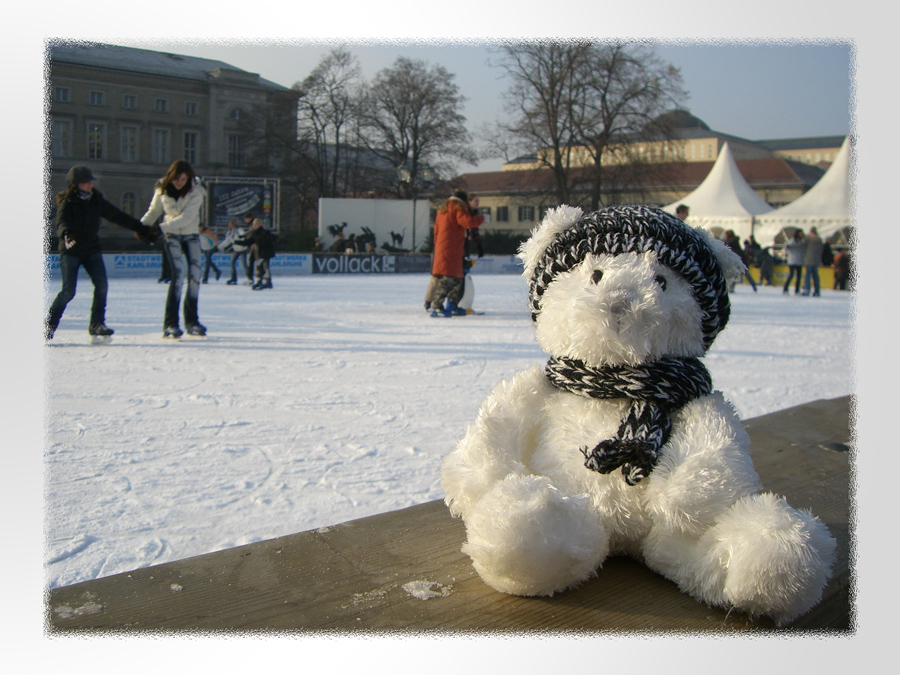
(403, 570)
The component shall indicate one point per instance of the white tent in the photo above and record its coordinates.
(724, 200)
(826, 206)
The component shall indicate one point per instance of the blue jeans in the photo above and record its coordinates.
(187, 262)
(812, 272)
(68, 269)
(243, 256)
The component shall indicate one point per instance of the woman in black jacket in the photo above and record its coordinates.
(79, 210)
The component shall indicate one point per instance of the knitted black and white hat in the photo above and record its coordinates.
(567, 236)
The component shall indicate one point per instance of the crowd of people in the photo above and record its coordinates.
(174, 218)
(803, 253)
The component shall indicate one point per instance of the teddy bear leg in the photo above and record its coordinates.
(762, 557)
(526, 537)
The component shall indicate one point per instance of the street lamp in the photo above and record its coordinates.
(427, 178)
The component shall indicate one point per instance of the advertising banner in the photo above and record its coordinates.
(499, 264)
(230, 198)
(150, 264)
(413, 263)
(290, 263)
(338, 263)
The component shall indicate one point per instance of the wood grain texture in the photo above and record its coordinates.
(403, 570)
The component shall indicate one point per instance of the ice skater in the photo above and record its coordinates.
(79, 210)
(262, 247)
(177, 197)
(209, 244)
(459, 213)
(237, 251)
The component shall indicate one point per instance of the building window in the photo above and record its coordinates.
(61, 139)
(235, 152)
(486, 212)
(96, 98)
(190, 108)
(96, 137)
(190, 146)
(235, 114)
(129, 152)
(129, 201)
(61, 94)
(526, 213)
(161, 105)
(709, 151)
(161, 146)
(129, 101)
(502, 214)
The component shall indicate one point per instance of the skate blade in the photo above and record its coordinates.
(101, 339)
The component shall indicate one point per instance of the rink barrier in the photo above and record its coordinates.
(404, 571)
(290, 264)
(150, 264)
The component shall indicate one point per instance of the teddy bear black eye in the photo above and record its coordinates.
(661, 280)
(597, 276)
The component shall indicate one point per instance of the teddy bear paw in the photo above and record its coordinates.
(526, 537)
(771, 559)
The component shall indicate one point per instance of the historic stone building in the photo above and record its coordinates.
(514, 198)
(129, 113)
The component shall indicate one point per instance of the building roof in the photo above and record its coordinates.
(771, 172)
(802, 143)
(130, 59)
(680, 118)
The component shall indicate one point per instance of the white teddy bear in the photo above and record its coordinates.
(625, 300)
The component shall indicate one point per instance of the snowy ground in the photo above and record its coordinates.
(325, 399)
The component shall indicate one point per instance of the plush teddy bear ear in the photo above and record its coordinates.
(730, 262)
(556, 220)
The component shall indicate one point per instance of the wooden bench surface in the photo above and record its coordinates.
(403, 570)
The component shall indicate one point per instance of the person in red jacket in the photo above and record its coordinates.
(458, 214)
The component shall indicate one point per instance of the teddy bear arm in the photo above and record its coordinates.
(704, 468)
(497, 445)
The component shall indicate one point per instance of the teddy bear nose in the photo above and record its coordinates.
(619, 302)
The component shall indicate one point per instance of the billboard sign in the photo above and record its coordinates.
(230, 198)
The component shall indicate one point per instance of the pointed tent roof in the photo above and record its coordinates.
(724, 199)
(825, 206)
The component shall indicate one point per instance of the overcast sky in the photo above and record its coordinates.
(756, 90)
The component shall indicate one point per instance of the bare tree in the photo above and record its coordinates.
(327, 115)
(269, 137)
(411, 119)
(580, 105)
(541, 100)
(627, 89)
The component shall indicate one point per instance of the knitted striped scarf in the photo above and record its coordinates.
(655, 391)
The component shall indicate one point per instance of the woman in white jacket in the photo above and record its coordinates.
(178, 198)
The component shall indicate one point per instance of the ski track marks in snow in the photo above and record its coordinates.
(322, 400)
